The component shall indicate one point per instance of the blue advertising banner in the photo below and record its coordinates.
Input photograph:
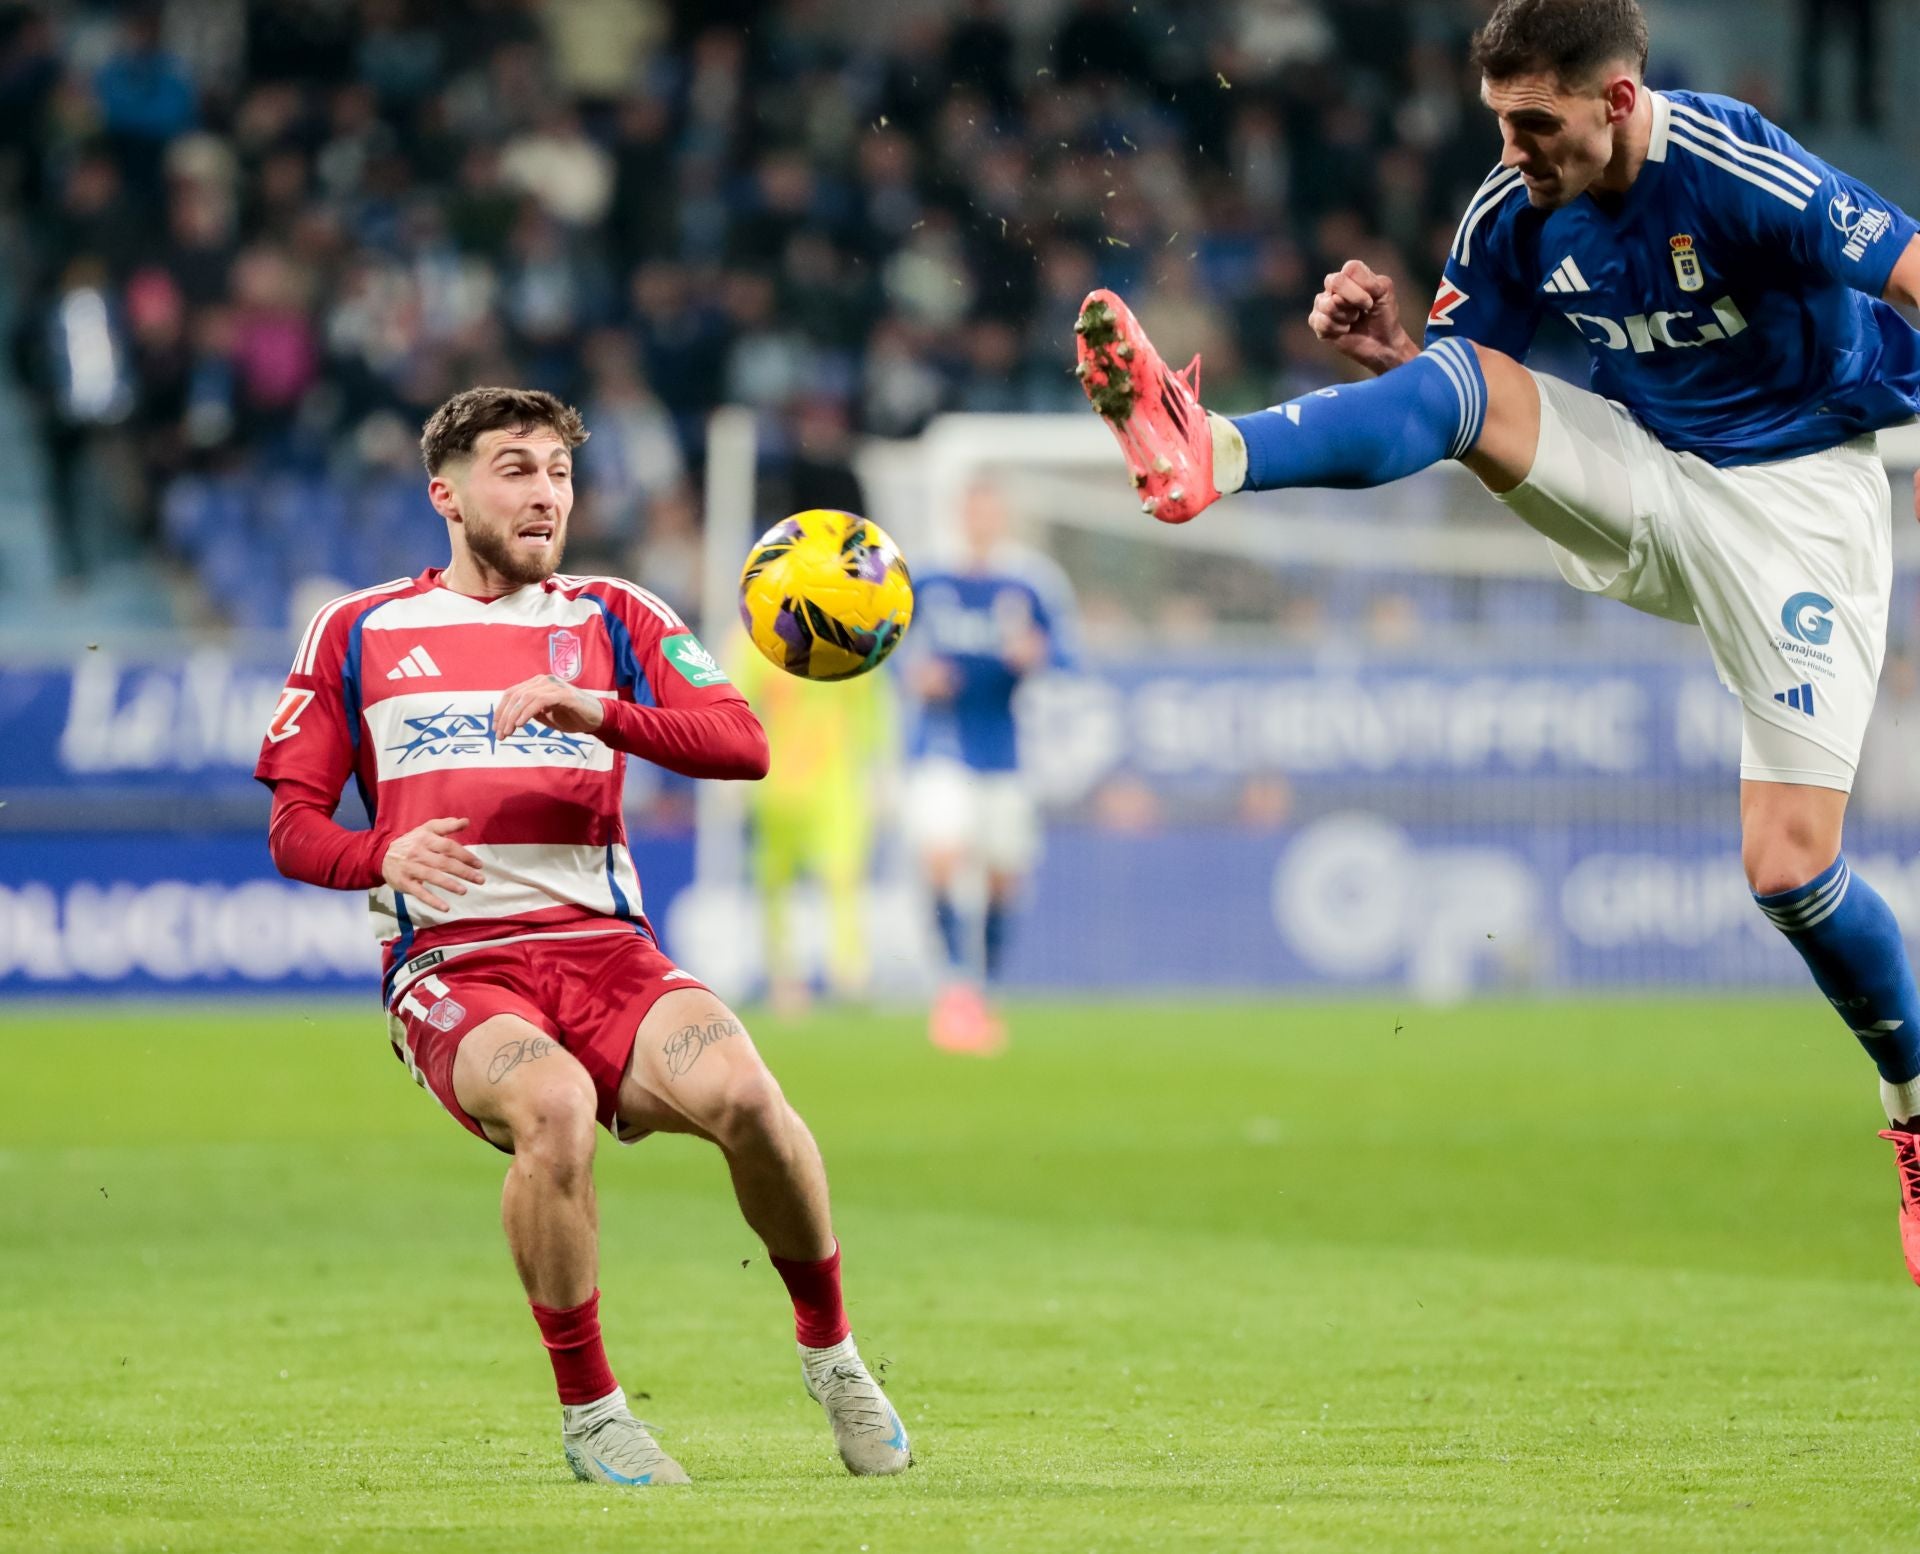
(106, 723)
(1356, 901)
(144, 912)
(1174, 725)
(1347, 902)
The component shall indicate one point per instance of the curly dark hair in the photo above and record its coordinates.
(453, 429)
(1573, 39)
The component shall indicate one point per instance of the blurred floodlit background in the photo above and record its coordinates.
(1330, 741)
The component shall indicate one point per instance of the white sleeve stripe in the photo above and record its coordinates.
(1496, 184)
(1792, 197)
(1799, 180)
(1716, 133)
(1500, 176)
(304, 660)
(651, 602)
(1478, 212)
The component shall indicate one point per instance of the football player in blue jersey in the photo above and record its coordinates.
(1733, 290)
(1000, 613)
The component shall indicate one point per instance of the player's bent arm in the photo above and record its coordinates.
(718, 739)
(309, 845)
(1903, 286)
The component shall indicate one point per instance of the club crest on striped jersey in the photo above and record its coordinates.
(1686, 261)
(563, 654)
(446, 1014)
(1445, 300)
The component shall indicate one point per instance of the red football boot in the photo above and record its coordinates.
(962, 1022)
(1906, 1156)
(1155, 413)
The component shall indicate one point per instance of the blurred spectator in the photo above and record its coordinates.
(75, 354)
(1858, 26)
(146, 98)
(558, 165)
(633, 457)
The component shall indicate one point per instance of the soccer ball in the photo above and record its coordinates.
(825, 595)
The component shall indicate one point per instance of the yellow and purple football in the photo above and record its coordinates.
(826, 595)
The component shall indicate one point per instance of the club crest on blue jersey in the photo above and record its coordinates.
(563, 654)
(1686, 262)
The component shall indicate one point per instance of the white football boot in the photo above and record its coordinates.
(866, 1427)
(605, 1444)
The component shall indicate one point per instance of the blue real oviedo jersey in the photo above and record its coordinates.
(967, 619)
(1730, 299)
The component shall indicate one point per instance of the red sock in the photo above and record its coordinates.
(572, 1338)
(819, 1315)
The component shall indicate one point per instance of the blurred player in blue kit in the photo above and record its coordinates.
(1733, 292)
(1000, 613)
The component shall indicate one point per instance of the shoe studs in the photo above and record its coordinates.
(1163, 465)
(1149, 505)
(1177, 494)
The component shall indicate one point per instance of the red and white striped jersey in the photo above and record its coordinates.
(395, 687)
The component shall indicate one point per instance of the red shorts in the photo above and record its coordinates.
(589, 994)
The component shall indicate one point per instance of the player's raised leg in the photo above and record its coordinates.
(533, 1098)
(695, 1070)
(1456, 400)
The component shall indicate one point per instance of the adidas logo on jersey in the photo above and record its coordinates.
(1800, 698)
(1566, 277)
(416, 665)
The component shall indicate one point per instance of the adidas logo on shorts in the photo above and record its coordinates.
(1800, 698)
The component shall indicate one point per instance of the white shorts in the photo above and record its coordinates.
(1787, 567)
(986, 817)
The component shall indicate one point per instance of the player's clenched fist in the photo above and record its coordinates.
(543, 699)
(1357, 311)
(428, 856)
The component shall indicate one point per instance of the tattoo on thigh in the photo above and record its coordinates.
(516, 1052)
(684, 1046)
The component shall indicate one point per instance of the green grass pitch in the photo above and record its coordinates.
(1174, 1277)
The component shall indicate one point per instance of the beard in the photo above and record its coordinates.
(493, 549)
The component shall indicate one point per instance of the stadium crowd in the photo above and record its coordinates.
(257, 240)
(263, 237)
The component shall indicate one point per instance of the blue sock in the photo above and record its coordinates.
(998, 916)
(1366, 434)
(952, 937)
(1847, 936)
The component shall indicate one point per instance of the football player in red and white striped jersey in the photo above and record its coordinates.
(486, 711)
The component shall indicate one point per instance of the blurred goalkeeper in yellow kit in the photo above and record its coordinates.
(833, 748)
